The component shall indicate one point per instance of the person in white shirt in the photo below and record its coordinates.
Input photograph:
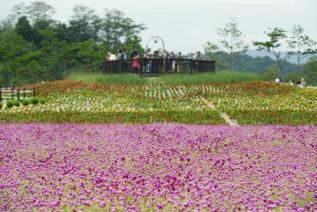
(112, 56)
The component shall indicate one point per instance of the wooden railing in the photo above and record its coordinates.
(158, 66)
(17, 93)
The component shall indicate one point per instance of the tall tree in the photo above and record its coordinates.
(24, 29)
(84, 24)
(275, 36)
(300, 44)
(35, 11)
(118, 29)
(212, 51)
(232, 40)
(310, 70)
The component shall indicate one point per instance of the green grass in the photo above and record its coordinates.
(186, 117)
(107, 78)
(218, 77)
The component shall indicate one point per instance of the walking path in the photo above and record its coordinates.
(225, 116)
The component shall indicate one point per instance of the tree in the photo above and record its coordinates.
(35, 11)
(300, 44)
(24, 29)
(310, 70)
(118, 29)
(12, 46)
(84, 24)
(232, 40)
(275, 36)
(212, 51)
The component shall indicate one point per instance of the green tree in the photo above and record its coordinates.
(12, 46)
(24, 29)
(83, 25)
(35, 11)
(212, 51)
(300, 44)
(310, 70)
(275, 36)
(118, 29)
(231, 41)
(271, 73)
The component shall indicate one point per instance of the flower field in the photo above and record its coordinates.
(157, 167)
(248, 103)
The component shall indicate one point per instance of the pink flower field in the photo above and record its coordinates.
(157, 167)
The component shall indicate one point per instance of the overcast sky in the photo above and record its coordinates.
(186, 25)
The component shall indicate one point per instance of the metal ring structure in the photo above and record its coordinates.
(155, 38)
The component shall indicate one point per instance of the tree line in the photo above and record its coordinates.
(231, 49)
(35, 47)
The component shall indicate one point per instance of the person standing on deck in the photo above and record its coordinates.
(135, 62)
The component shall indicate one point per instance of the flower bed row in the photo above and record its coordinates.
(249, 103)
(157, 167)
(163, 116)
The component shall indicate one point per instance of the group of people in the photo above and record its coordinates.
(302, 83)
(173, 62)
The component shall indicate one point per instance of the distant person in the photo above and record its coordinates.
(198, 56)
(156, 62)
(303, 83)
(135, 62)
(179, 61)
(291, 83)
(171, 61)
(122, 55)
(112, 56)
(122, 60)
(147, 61)
(197, 59)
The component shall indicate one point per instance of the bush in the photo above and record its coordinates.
(25, 102)
(34, 101)
(42, 101)
(270, 73)
(16, 103)
(10, 104)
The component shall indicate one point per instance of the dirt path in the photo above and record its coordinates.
(225, 116)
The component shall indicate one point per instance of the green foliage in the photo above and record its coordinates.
(38, 48)
(221, 77)
(10, 104)
(295, 76)
(16, 103)
(1, 106)
(231, 41)
(42, 101)
(34, 101)
(300, 44)
(107, 78)
(25, 102)
(193, 117)
(310, 71)
(275, 36)
(270, 73)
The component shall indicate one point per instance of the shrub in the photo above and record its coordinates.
(10, 104)
(16, 103)
(25, 102)
(34, 101)
(42, 101)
